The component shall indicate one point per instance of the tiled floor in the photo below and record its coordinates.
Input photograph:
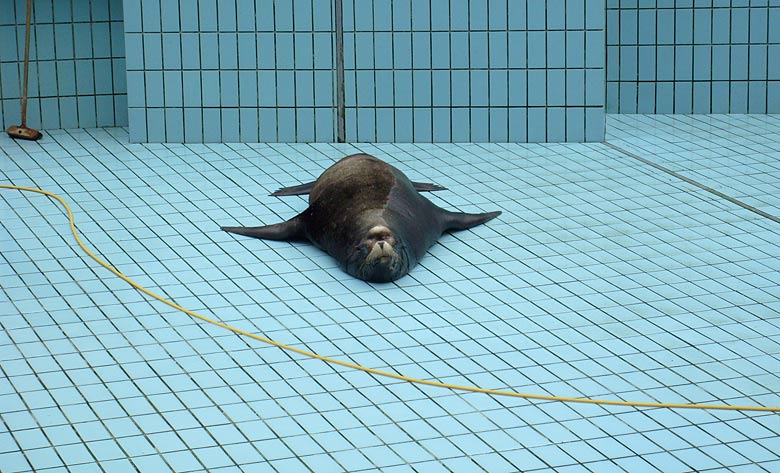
(604, 277)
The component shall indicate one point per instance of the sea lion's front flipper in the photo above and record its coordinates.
(463, 221)
(302, 189)
(427, 186)
(290, 230)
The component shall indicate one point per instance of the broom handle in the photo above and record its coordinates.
(26, 64)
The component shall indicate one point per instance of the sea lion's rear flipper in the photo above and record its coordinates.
(463, 221)
(426, 186)
(290, 230)
(302, 189)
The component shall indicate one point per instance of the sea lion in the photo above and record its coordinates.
(369, 216)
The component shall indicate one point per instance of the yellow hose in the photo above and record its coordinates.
(476, 389)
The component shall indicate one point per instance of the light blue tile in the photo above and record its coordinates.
(537, 120)
(739, 62)
(702, 63)
(575, 124)
(192, 88)
(460, 125)
(594, 14)
(665, 63)
(758, 61)
(228, 86)
(440, 50)
(478, 50)
(105, 111)
(155, 125)
(170, 15)
(101, 48)
(757, 97)
(134, 46)
(556, 124)
(64, 41)
(421, 87)
(323, 88)
(683, 63)
(575, 53)
(499, 88)
(556, 88)
(171, 51)
(174, 125)
(366, 125)
(594, 124)
(720, 97)
(131, 16)
(498, 125)
(268, 125)
(212, 125)
(702, 26)
(209, 51)
(228, 50)
(701, 97)
(230, 132)
(226, 17)
(85, 78)
(627, 27)
(87, 114)
(153, 87)
(629, 66)
(249, 125)
(152, 50)
(537, 88)
(210, 90)
(683, 97)
(304, 89)
(518, 87)
(575, 87)
(720, 69)
(664, 101)
(459, 89)
(247, 89)
(137, 119)
(117, 40)
(442, 124)
(537, 45)
(721, 26)
(207, 15)
(773, 63)
(594, 49)
(556, 49)
(479, 84)
(480, 131)
(740, 25)
(285, 88)
(150, 15)
(322, 51)
(364, 47)
(383, 15)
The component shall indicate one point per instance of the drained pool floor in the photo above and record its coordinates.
(606, 276)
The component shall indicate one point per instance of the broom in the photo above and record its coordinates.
(21, 131)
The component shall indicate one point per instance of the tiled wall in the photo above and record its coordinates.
(77, 72)
(693, 56)
(230, 70)
(468, 70)
(475, 70)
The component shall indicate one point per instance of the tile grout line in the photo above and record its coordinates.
(694, 183)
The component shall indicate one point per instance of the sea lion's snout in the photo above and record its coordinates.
(383, 261)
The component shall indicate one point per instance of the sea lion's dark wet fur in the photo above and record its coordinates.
(361, 202)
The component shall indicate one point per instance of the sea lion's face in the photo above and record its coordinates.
(379, 257)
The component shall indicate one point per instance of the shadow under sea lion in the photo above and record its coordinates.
(369, 216)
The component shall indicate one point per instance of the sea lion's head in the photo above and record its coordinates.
(379, 257)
